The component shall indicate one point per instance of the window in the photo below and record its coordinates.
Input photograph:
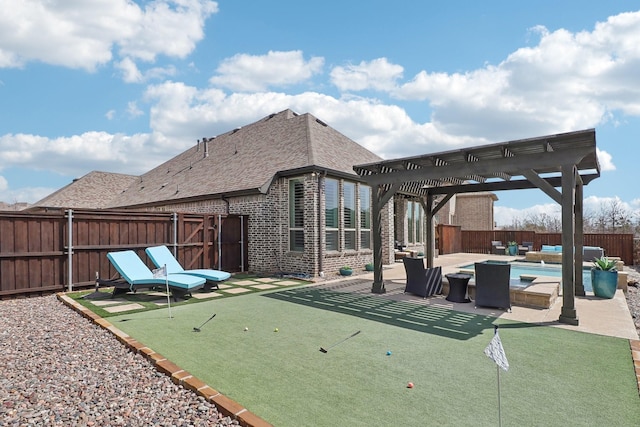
(349, 215)
(331, 213)
(365, 217)
(296, 215)
(415, 219)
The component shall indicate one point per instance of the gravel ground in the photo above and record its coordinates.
(633, 294)
(59, 369)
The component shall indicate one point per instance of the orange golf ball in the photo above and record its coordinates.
(410, 385)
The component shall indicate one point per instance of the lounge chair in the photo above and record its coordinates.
(422, 281)
(492, 285)
(137, 275)
(497, 248)
(161, 255)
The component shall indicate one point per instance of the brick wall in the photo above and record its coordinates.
(268, 226)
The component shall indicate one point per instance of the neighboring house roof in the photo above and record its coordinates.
(92, 191)
(246, 160)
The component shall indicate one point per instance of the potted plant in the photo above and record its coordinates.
(346, 271)
(604, 277)
(369, 267)
(512, 247)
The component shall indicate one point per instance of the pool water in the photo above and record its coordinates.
(533, 269)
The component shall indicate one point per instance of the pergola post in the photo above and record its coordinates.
(431, 231)
(376, 223)
(579, 230)
(568, 313)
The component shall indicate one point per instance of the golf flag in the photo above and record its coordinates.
(495, 351)
(160, 272)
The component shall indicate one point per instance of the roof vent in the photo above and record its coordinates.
(236, 130)
(206, 147)
(321, 122)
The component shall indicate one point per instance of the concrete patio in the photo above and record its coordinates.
(596, 315)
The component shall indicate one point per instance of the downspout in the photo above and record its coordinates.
(175, 234)
(224, 199)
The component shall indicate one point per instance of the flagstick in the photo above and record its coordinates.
(499, 404)
(166, 278)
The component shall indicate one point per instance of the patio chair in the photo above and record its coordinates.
(422, 281)
(161, 255)
(492, 285)
(497, 248)
(525, 247)
(138, 275)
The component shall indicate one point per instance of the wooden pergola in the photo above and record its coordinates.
(558, 164)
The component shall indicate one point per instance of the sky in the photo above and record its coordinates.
(123, 86)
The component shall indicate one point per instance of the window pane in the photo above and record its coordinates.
(410, 222)
(331, 203)
(350, 239)
(365, 207)
(296, 240)
(296, 203)
(418, 218)
(365, 239)
(349, 205)
(332, 240)
(296, 215)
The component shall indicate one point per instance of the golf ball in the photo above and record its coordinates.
(246, 329)
(410, 385)
(275, 330)
(389, 353)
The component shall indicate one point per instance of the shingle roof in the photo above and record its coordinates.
(246, 160)
(92, 191)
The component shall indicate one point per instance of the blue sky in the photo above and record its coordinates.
(122, 86)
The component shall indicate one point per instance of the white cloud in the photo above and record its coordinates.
(83, 34)
(110, 114)
(567, 81)
(133, 111)
(378, 74)
(606, 160)
(247, 73)
(129, 70)
(69, 155)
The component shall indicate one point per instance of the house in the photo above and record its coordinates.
(291, 174)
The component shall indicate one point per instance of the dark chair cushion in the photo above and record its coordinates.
(422, 281)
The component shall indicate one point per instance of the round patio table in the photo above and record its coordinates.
(458, 283)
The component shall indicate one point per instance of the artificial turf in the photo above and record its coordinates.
(556, 377)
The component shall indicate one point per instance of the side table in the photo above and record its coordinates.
(458, 283)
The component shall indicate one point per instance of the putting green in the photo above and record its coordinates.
(557, 377)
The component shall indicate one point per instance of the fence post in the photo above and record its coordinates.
(70, 249)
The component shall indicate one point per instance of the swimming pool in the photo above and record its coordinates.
(529, 269)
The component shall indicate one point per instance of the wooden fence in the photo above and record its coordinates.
(620, 245)
(49, 252)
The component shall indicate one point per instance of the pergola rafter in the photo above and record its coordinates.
(566, 161)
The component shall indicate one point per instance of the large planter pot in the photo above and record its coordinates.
(604, 283)
(513, 249)
(346, 271)
(368, 267)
